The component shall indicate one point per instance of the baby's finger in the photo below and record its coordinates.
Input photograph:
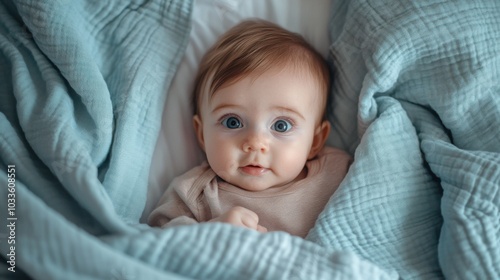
(245, 212)
(261, 229)
(250, 219)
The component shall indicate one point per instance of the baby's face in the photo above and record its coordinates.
(257, 133)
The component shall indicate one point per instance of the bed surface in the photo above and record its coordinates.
(416, 100)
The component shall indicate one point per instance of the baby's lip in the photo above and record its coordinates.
(253, 169)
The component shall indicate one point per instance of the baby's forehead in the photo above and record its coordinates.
(291, 72)
(276, 86)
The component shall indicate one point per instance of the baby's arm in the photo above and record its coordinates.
(238, 216)
(171, 211)
(172, 208)
(241, 216)
(180, 205)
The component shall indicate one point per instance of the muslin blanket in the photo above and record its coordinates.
(416, 100)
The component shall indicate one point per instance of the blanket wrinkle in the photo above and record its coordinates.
(79, 116)
(415, 100)
(440, 68)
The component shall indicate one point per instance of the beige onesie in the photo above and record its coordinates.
(200, 195)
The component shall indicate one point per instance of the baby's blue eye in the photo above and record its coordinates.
(282, 126)
(231, 123)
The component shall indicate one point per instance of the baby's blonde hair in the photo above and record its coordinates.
(252, 47)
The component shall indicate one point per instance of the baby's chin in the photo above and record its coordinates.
(257, 186)
(264, 181)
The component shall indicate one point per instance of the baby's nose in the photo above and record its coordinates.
(256, 142)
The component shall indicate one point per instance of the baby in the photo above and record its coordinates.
(260, 116)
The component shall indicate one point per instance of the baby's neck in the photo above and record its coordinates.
(302, 175)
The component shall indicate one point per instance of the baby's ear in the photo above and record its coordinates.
(320, 135)
(198, 129)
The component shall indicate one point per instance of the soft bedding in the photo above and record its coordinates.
(416, 99)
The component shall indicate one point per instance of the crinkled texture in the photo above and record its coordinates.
(83, 86)
(412, 77)
(387, 208)
(416, 100)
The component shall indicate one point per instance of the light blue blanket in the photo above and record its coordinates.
(416, 98)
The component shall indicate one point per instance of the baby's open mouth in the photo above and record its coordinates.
(254, 170)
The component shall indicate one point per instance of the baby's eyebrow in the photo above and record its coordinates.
(289, 110)
(225, 106)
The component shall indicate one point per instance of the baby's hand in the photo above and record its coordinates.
(241, 216)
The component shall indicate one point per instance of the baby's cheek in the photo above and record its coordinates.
(292, 162)
(220, 156)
